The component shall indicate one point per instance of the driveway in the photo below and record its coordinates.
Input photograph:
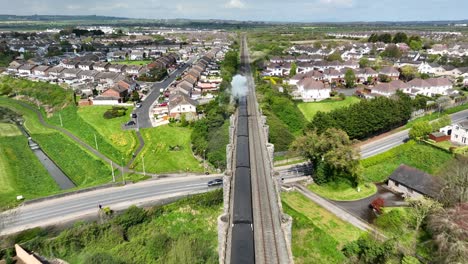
(360, 208)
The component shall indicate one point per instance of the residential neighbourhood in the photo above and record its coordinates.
(235, 132)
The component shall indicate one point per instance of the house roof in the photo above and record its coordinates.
(419, 83)
(439, 81)
(389, 71)
(417, 180)
(311, 84)
(463, 124)
(180, 98)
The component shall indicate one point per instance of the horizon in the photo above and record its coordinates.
(296, 11)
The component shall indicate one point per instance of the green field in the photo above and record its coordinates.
(310, 109)
(86, 122)
(9, 130)
(317, 235)
(159, 157)
(182, 232)
(21, 173)
(342, 190)
(111, 129)
(31, 122)
(133, 62)
(420, 156)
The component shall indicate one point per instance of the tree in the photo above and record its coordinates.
(443, 121)
(420, 130)
(350, 78)
(317, 45)
(332, 153)
(420, 209)
(407, 73)
(455, 177)
(400, 37)
(364, 62)
(336, 56)
(373, 38)
(293, 70)
(415, 45)
(392, 51)
(385, 38)
(449, 233)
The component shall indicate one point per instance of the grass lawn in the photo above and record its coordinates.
(159, 158)
(31, 122)
(133, 62)
(310, 109)
(83, 123)
(420, 156)
(21, 173)
(343, 191)
(111, 129)
(317, 235)
(9, 130)
(436, 115)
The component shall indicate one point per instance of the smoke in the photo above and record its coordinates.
(239, 86)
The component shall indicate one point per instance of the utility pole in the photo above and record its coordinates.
(95, 140)
(123, 177)
(204, 163)
(113, 175)
(61, 122)
(143, 162)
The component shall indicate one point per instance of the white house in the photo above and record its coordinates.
(312, 90)
(182, 104)
(460, 133)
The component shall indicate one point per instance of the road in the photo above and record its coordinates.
(393, 140)
(270, 242)
(84, 205)
(143, 113)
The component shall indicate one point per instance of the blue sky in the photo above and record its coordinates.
(260, 10)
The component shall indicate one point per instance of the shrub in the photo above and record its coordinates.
(102, 258)
(394, 221)
(132, 216)
(115, 112)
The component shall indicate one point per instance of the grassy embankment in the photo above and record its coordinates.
(310, 109)
(79, 164)
(317, 235)
(182, 232)
(86, 122)
(167, 149)
(21, 173)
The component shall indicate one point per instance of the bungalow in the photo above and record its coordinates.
(389, 89)
(413, 183)
(112, 96)
(312, 90)
(133, 69)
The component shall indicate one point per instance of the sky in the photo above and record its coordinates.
(249, 10)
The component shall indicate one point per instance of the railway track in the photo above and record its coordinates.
(268, 235)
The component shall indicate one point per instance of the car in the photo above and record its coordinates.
(138, 105)
(163, 104)
(134, 115)
(130, 123)
(215, 182)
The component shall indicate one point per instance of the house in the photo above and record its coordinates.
(364, 74)
(391, 72)
(14, 66)
(413, 183)
(88, 75)
(460, 133)
(430, 68)
(117, 68)
(137, 55)
(86, 65)
(69, 64)
(133, 69)
(55, 71)
(179, 104)
(312, 90)
(429, 87)
(112, 96)
(26, 69)
(101, 66)
(389, 89)
(41, 70)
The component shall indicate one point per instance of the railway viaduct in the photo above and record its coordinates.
(252, 229)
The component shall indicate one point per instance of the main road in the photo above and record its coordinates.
(381, 145)
(86, 205)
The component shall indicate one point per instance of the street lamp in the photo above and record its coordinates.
(143, 162)
(123, 177)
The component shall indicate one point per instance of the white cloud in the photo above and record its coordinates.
(337, 3)
(235, 4)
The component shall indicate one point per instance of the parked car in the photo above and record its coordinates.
(138, 105)
(163, 104)
(134, 115)
(130, 123)
(215, 182)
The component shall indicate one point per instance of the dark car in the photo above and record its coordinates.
(130, 123)
(215, 182)
(134, 115)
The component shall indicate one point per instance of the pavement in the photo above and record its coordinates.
(378, 146)
(83, 205)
